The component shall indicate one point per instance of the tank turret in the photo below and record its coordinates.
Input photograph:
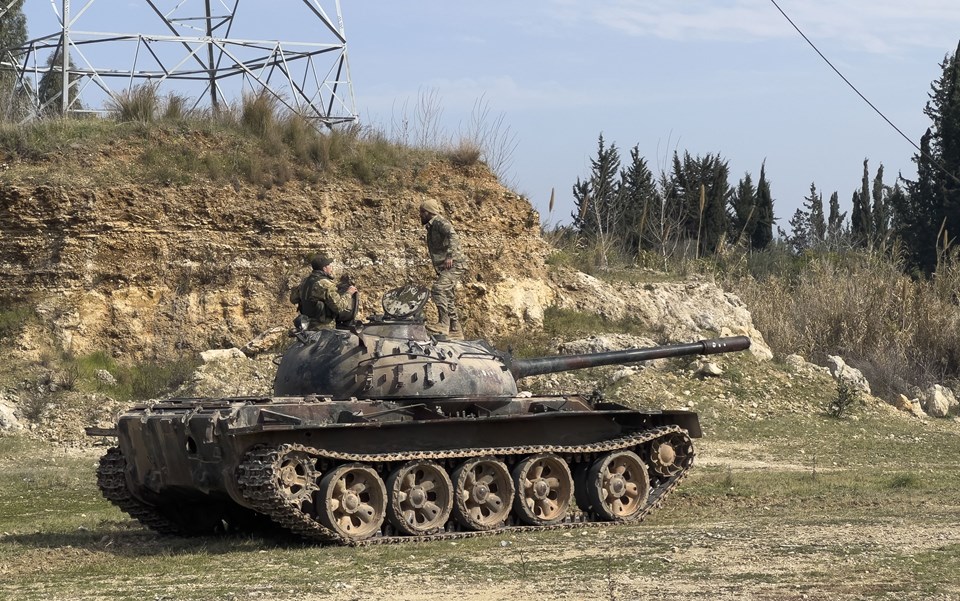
(378, 431)
(393, 356)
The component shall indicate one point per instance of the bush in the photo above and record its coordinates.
(13, 317)
(137, 104)
(258, 113)
(465, 154)
(847, 397)
(899, 331)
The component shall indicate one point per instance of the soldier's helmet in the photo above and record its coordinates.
(319, 261)
(430, 206)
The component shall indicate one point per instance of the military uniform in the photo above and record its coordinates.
(443, 244)
(319, 301)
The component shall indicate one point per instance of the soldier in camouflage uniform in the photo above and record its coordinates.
(317, 298)
(449, 262)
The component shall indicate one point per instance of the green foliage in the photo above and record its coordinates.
(137, 105)
(258, 114)
(897, 330)
(138, 381)
(464, 154)
(13, 316)
(13, 35)
(927, 215)
(50, 88)
(763, 233)
(908, 481)
(847, 398)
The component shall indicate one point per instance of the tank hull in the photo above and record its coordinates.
(182, 458)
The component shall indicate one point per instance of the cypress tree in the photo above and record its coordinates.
(51, 86)
(881, 209)
(835, 221)
(860, 221)
(743, 206)
(817, 224)
(763, 233)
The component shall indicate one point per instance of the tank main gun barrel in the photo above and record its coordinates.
(521, 368)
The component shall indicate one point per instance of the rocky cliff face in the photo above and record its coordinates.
(150, 272)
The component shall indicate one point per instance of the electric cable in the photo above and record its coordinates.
(864, 98)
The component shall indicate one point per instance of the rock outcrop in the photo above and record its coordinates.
(155, 271)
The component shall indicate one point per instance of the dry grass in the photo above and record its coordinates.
(900, 331)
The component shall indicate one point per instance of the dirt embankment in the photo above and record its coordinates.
(153, 271)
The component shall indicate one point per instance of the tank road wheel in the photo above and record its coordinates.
(671, 454)
(296, 477)
(354, 501)
(618, 486)
(544, 489)
(484, 493)
(421, 497)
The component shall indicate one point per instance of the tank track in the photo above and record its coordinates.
(257, 477)
(112, 482)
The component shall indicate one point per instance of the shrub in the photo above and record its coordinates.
(847, 397)
(13, 317)
(138, 104)
(175, 107)
(258, 113)
(465, 154)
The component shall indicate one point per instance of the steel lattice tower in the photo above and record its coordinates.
(209, 51)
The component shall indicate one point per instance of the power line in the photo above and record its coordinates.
(847, 81)
(864, 98)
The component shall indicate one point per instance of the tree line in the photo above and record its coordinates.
(692, 208)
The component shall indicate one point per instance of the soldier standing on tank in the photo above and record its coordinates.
(448, 260)
(317, 298)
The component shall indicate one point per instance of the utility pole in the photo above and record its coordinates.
(211, 66)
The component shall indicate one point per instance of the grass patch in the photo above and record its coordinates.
(122, 382)
(14, 315)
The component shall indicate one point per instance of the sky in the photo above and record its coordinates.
(727, 77)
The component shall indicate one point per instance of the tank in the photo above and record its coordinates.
(379, 432)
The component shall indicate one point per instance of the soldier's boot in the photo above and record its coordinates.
(442, 326)
(456, 332)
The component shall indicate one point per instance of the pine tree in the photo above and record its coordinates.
(595, 199)
(600, 210)
(51, 86)
(701, 186)
(799, 239)
(640, 200)
(763, 233)
(13, 36)
(927, 214)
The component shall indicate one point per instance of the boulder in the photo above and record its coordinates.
(937, 401)
(8, 417)
(851, 375)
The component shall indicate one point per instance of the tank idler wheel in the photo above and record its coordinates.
(421, 497)
(353, 501)
(671, 454)
(618, 486)
(296, 477)
(484, 494)
(544, 489)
